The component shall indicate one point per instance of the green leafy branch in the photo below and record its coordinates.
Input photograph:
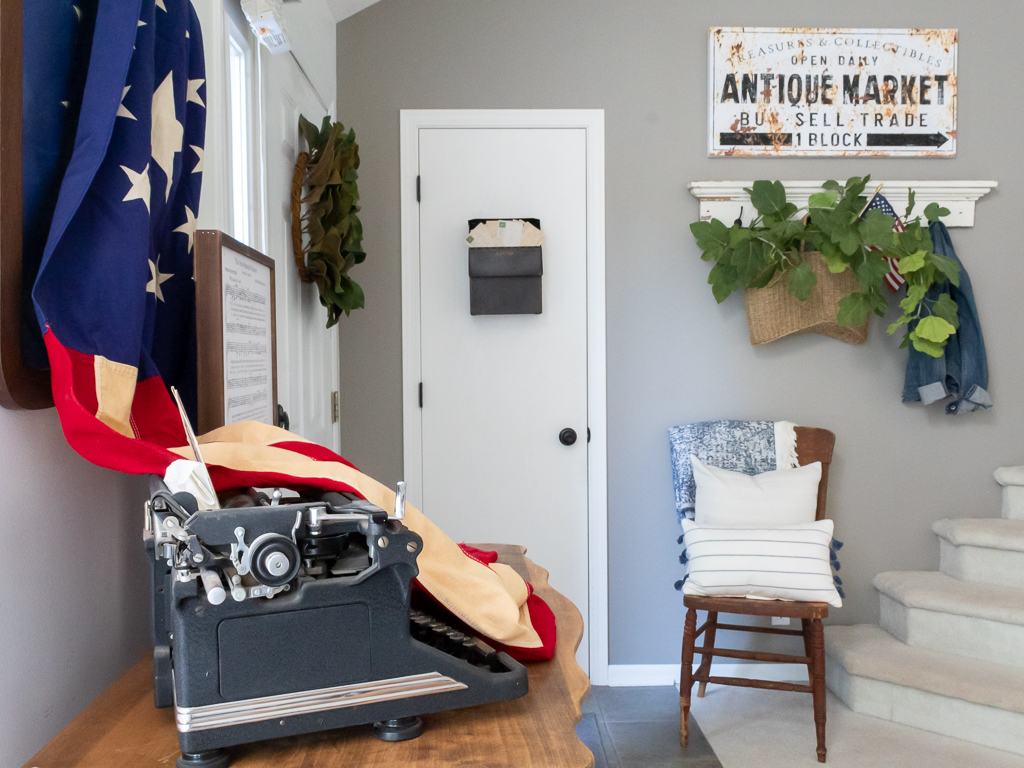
(782, 237)
(327, 235)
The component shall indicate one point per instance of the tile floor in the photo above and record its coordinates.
(639, 728)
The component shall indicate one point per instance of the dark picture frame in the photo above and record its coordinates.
(20, 385)
(210, 325)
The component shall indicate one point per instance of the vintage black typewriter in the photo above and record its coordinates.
(277, 617)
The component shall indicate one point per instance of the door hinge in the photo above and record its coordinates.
(421, 394)
(417, 189)
(335, 407)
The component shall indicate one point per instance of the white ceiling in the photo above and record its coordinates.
(342, 9)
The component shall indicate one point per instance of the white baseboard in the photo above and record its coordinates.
(643, 674)
(668, 674)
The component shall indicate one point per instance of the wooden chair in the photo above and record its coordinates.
(812, 445)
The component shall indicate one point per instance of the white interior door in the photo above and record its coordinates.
(307, 353)
(497, 390)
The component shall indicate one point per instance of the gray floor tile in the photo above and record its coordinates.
(638, 727)
(656, 742)
(693, 762)
(637, 704)
(606, 742)
(589, 734)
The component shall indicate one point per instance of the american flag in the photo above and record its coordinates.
(115, 298)
(114, 295)
(893, 279)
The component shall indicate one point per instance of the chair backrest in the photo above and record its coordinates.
(814, 444)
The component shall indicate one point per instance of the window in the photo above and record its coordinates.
(240, 120)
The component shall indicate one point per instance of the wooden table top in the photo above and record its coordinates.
(122, 728)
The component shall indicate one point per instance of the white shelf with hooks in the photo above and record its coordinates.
(723, 200)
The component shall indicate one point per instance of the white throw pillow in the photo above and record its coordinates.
(733, 499)
(787, 563)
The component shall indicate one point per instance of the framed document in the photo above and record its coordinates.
(236, 332)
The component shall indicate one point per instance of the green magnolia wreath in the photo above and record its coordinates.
(771, 247)
(327, 236)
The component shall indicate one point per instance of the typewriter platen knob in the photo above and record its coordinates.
(274, 559)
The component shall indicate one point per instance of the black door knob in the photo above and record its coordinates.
(567, 436)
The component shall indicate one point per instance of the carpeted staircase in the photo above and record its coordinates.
(949, 656)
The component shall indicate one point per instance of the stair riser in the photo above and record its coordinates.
(951, 633)
(982, 565)
(997, 728)
(1013, 502)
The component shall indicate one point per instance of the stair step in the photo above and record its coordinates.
(870, 651)
(929, 609)
(986, 550)
(875, 674)
(989, 532)
(1012, 480)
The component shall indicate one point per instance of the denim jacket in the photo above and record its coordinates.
(962, 373)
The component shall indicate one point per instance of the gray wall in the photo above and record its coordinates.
(74, 590)
(674, 356)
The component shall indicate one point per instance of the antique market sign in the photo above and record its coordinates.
(832, 92)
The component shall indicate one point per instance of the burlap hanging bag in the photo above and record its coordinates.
(773, 312)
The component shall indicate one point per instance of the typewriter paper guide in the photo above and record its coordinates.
(248, 341)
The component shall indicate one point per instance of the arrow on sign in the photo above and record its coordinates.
(754, 139)
(906, 139)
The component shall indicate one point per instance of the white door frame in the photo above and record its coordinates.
(591, 120)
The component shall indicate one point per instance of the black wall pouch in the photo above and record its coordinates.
(505, 281)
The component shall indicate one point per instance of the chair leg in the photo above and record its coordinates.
(706, 658)
(807, 650)
(817, 643)
(686, 676)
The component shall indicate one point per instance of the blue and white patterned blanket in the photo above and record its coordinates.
(751, 447)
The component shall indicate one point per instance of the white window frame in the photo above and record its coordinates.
(241, 68)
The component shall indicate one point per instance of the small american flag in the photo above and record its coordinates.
(893, 279)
